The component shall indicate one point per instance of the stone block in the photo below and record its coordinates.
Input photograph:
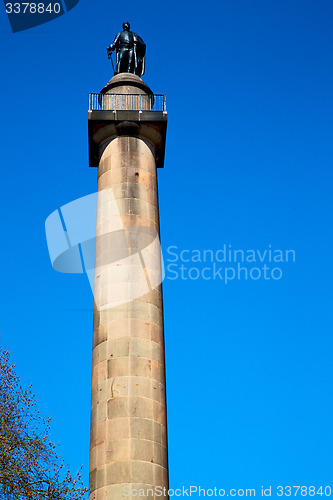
(98, 413)
(143, 472)
(119, 347)
(146, 349)
(157, 371)
(142, 449)
(118, 407)
(118, 450)
(98, 433)
(99, 335)
(130, 190)
(118, 428)
(100, 353)
(143, 387)
(141, 407)
(159, 412)
(98, 456)
(156, 333)
(99, 372)
(153, 297)
(127, 327)
(129, 366)
(160, 455)
(142, 428)
(138, 220)
(118, 473)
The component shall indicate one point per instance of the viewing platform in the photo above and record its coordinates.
(121, 102)
(141, 115)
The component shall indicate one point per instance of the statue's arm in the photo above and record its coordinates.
(114, 44)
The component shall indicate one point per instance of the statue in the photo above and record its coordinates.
(131, 52)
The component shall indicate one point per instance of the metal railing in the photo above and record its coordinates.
(118, 102)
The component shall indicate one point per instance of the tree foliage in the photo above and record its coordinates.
(30, 468)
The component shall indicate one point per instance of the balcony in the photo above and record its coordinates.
(138, 115)
(127, 102)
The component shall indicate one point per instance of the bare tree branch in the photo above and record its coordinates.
(30, 468)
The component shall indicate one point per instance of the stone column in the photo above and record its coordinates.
(128, 447)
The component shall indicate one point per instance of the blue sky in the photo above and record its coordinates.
(248, 164)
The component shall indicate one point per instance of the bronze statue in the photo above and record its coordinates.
(131, 52)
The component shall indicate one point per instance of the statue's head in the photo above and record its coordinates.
(126, 26)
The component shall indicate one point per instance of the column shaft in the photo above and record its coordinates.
(128, 412)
